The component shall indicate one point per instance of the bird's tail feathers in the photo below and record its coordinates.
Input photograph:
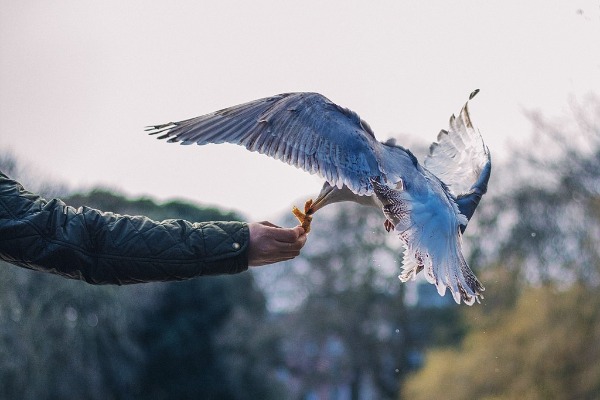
(436, 249)
(445, 271)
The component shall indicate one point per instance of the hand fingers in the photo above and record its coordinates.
(270, 224)
(288, 249)
(288, 235)
(302, 238)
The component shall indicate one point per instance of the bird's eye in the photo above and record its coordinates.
(400, 185)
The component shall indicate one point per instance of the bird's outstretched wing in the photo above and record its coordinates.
(302, 129)
(459, 156)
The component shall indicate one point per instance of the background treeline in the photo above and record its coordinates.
(336, 323)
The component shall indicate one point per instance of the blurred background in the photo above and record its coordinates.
(78, 82)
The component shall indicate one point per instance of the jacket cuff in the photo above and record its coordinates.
(225, 247)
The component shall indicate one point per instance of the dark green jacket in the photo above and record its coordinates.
(101, 247)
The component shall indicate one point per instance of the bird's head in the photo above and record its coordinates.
(331, 194)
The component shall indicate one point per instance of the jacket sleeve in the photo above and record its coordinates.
(105, 248)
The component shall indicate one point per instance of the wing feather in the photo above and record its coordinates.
(302, 129)
(459, 157)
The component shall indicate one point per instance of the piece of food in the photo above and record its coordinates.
(305, 218)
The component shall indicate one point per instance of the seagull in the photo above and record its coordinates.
(428, 205)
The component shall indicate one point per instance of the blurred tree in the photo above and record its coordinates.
(346, 336)
(548, 347)
(202, 342)
(27, 175)
(63, 339)
(545, 222)
(178, 338)
(108, 200)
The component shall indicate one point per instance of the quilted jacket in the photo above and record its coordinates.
(105, 248)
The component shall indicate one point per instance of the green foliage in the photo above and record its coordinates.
(546, 347)
(436, 326)
(202, 340)
(178, 339)
(64, 339)
(103, 199)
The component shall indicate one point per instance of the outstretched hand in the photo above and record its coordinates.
(270, 243)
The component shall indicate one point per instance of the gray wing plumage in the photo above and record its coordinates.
(302, 129)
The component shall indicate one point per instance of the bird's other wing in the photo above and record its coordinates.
(459, 156)
(462, 161)
(302, 129)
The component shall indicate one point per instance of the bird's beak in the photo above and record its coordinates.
(321, 200)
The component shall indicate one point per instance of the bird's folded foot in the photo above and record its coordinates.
(305, 218)
(389, 225)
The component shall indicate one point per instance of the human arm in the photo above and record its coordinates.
(107, 248)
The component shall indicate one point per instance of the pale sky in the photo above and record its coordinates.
(79, 80)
